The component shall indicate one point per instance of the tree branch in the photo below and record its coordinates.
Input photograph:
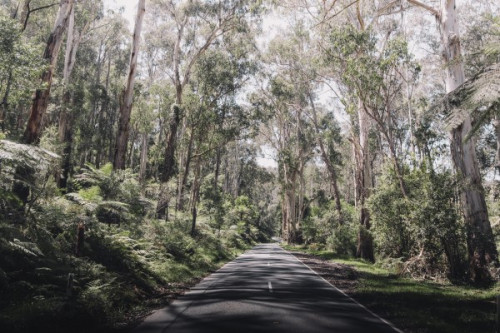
(430, 9)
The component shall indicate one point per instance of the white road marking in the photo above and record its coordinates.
(270, 285)
(388, 323)
(268, 264)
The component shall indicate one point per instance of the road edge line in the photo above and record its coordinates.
(385, 321)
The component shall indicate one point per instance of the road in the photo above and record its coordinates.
(264, 290)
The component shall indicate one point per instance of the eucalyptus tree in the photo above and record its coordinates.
(193, 26)
(20, 67)
(480, 240)
(41, 96)
(285, 99)
(100, 71)
(216, 119)
(87, 15)
(128, 93)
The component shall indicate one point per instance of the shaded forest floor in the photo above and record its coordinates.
(413, 306)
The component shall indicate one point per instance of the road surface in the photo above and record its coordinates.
(264, 290)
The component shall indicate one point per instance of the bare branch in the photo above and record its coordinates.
(430, 9)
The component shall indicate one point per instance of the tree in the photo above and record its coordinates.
(41, 96)
(20, 67)
(66, 117)
(197, 25)
(128, 94)
(481, 245)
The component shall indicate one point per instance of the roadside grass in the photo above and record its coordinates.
(419, 306)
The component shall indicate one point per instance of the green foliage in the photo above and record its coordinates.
(20, 68)
(92, 194)
(322, 227)
(424, 226)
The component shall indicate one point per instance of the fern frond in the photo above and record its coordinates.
(480, 94)
(28, 248)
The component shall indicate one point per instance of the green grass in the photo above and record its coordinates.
(420, 306)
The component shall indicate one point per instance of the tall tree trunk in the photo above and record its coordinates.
(5, 101)
(496, 124)
(183, 176)
(65, 117)
(144, 157)
(23, 14)
(195, 195)
(128, 96)
(167, 168)
(480, 241)
(218, 157)
(363, 185)
(41, 96)
(66, 137)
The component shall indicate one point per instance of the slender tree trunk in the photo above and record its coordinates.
(66, 137)
(496, 124)
(167, 168)
(195, 195)
(363, 185)
(41, 96)
(183, 179)
(218, 157)
(128, 96)
(144, 157)
(395, 163)
(65, 117)
(5, 101)
(23, 15)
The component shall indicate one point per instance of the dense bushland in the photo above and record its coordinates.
(96, 257)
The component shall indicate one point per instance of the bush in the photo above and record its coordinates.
(425, 225)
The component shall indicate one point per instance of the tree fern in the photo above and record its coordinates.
(478, 97)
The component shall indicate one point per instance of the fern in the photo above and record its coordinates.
(479, 95)
(28, 248)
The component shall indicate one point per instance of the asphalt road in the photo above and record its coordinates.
(264, 290)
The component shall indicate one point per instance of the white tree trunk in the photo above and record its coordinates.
(128, 94)
(481, 246)
(364, 184)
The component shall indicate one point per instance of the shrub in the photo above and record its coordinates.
(425, 225)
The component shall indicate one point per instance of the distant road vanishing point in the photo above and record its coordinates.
(264, 290)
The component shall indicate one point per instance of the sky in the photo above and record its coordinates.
(129, 6)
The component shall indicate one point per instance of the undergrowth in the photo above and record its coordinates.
(96, 258)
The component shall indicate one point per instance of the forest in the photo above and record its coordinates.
(138, 153)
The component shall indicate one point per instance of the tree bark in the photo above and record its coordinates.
(183, 179)
(195, 195)
(128, 95)
(167, 168)
(41, 96)
(480, 241)
(496, 124)
(363, 185)
(65, 117)
(144, 157)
